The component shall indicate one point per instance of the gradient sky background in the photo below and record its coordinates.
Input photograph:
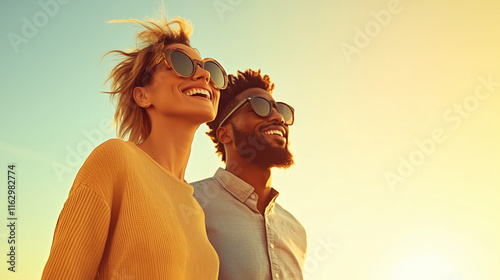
(405, 90)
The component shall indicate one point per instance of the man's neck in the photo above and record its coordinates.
(257, 177)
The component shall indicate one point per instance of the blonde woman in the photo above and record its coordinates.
(130, 214)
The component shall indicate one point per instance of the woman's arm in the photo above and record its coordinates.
(80, 237)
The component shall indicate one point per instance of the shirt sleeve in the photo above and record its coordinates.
(80, 237)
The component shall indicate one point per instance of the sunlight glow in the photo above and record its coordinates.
(428, 266)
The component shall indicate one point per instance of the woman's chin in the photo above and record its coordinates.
(202, 117)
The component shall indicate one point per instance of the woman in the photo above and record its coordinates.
(130, 214)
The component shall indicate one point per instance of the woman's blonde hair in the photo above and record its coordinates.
(136, 69)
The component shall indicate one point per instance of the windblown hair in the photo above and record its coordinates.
(236, 84)
(136, 68)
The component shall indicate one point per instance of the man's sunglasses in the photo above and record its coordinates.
(185, 66)
(263, 108)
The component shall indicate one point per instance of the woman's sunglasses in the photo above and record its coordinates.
(263, 108)
(185, 66)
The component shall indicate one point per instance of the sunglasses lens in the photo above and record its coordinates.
(286, 112)
(181, 63)
(261, 106)
(216, 73)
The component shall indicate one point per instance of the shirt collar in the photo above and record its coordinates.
(237, 187)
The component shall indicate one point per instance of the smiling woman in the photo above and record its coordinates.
(136, 73)
(125, 214)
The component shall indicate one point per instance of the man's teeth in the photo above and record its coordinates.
(274, 132)
(198, 91)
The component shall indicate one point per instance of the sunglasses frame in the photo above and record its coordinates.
(194, 62)
(273, 103)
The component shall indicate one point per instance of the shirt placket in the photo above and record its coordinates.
(270, 235)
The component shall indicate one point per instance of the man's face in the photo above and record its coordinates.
(261, 140)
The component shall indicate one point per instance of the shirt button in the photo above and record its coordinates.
(277, 275)
(272, 246)
(253, 196)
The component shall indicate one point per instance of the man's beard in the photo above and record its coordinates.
(257, 150)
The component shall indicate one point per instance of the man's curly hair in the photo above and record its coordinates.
(236, 84)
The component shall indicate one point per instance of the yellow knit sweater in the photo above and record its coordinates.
(126, 217)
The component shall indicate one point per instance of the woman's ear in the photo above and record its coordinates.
(224, 134)
(141, 97)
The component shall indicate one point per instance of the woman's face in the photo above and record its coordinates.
(170, 95)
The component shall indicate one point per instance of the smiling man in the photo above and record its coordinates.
(254, 236)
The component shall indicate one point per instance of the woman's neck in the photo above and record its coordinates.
(169, 144)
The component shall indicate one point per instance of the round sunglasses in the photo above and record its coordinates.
(185, 66)
(264, 107)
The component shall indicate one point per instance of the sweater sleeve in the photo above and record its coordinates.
(80, 237)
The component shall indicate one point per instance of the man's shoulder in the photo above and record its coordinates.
(209, 181)
(204, 186)
(206, 191)
(291, 227)
(200, 184)
(289, 217)
(284, 212)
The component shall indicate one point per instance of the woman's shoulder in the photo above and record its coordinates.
(104, 169)
(113, 150)
(112, 146)
(106, 160)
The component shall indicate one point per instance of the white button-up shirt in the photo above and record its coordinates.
(250, 245)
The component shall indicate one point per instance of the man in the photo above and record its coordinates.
(254, 236)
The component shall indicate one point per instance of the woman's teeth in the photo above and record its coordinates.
(198, 92)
